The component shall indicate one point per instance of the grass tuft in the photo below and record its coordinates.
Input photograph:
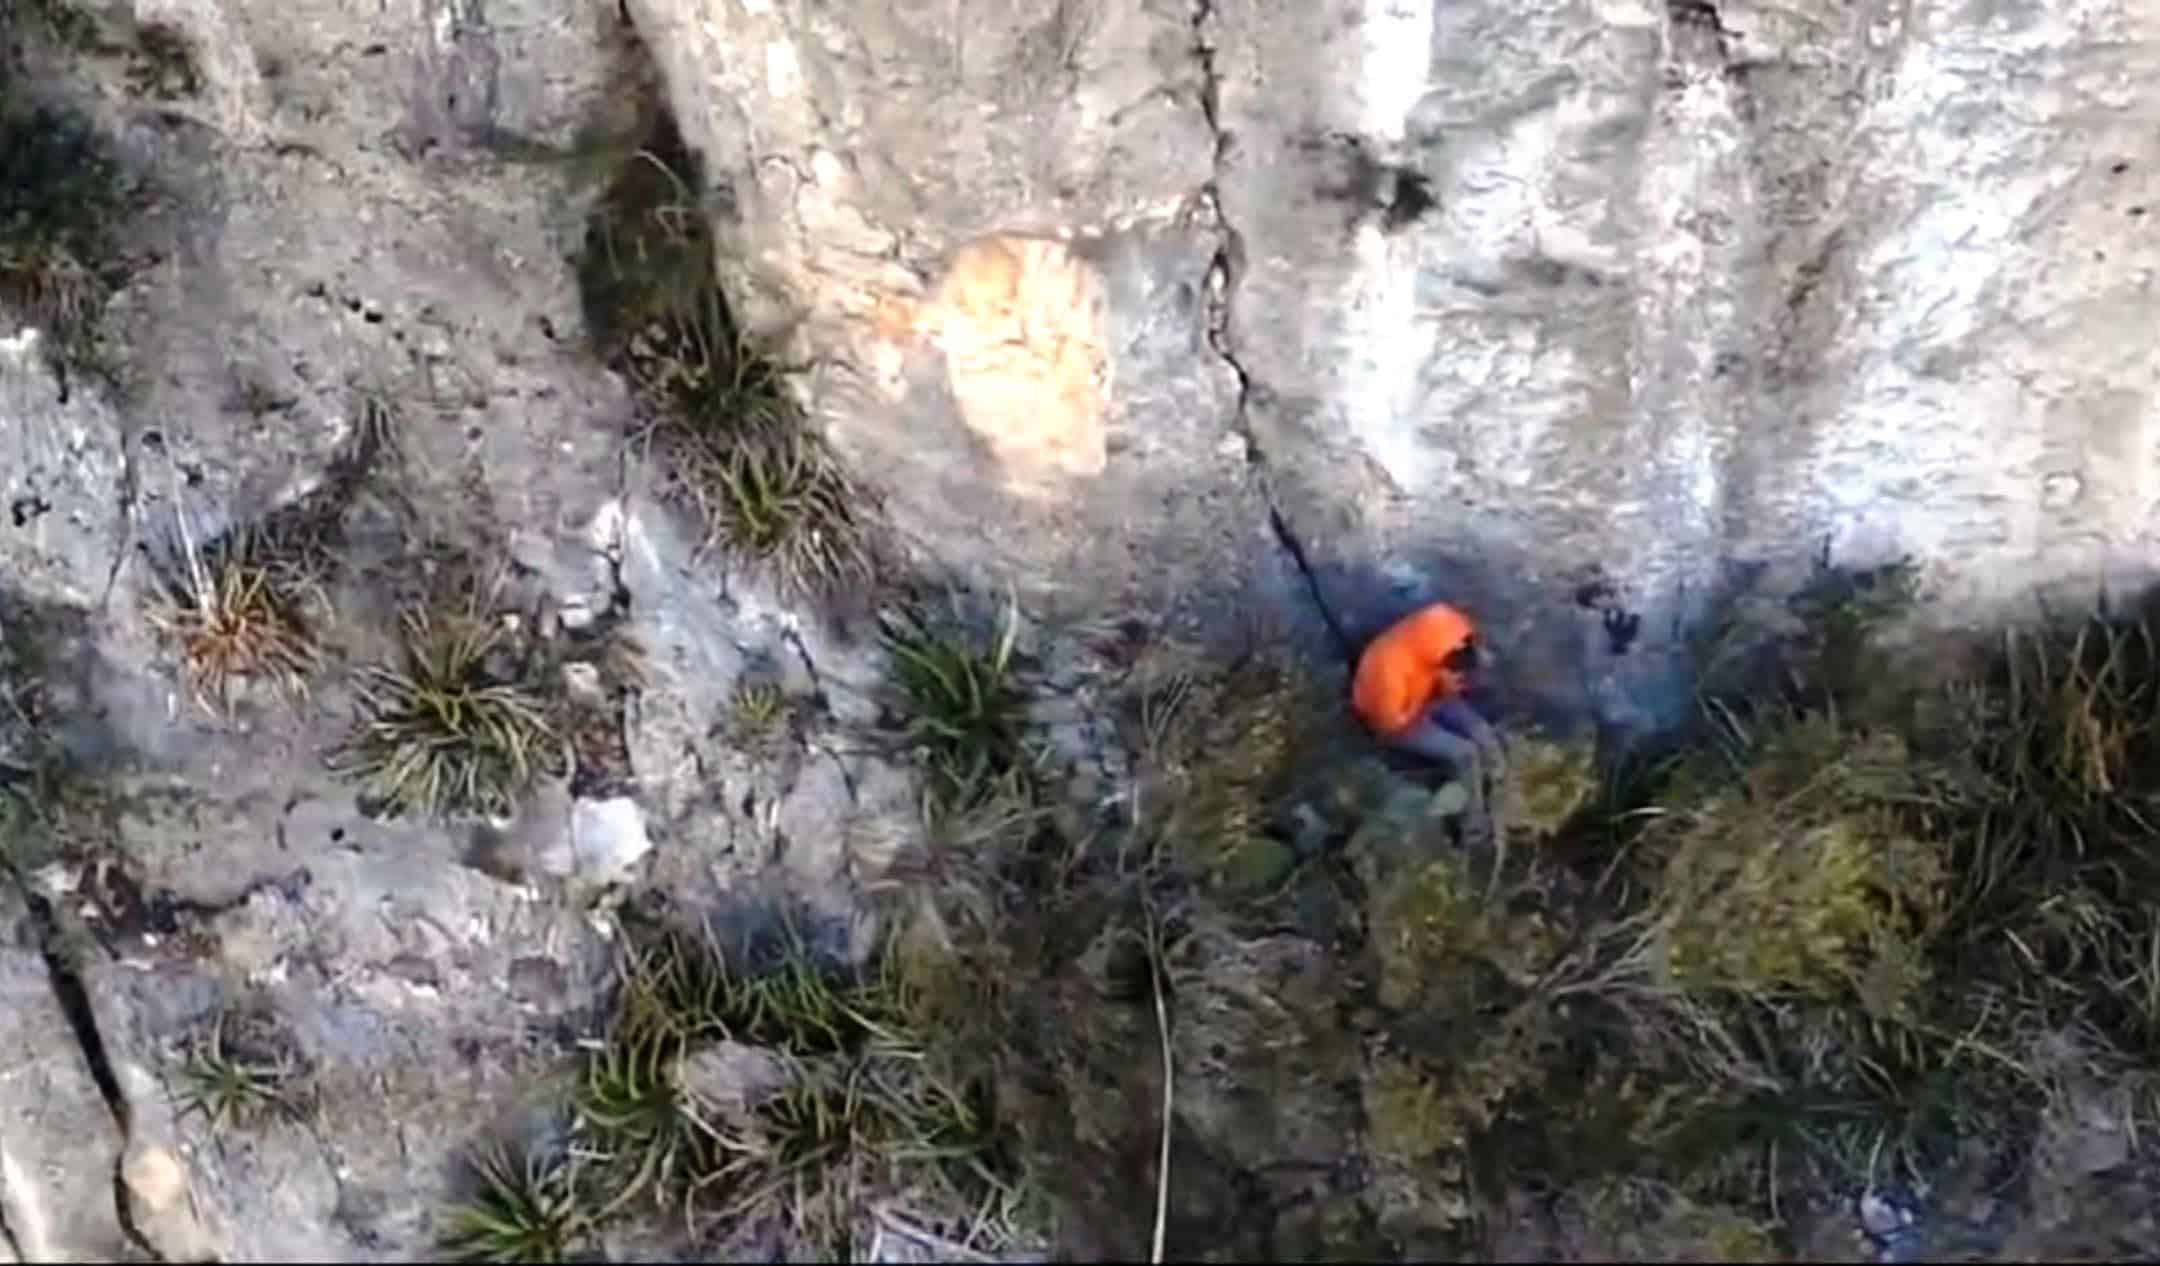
(525, 1207)
(448, 729)
(739, 1091)
(235, 1071)
(958, 705)
(758, 714)
(238, 614)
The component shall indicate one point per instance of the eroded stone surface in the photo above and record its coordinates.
(1019, 322)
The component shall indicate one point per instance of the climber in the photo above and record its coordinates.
(1409, 690)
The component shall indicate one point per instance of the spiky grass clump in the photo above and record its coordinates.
(442, 733)
(525, 1207)
(236, 1071)
(780, 500)
(631, 1107)
(725, 1092)
(758, 714)
(239, 614)
(959, 705)
(737, 447)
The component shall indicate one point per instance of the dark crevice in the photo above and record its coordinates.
(824, 702)
(128, 491)
(1224, 273)
(1291, 545)
(74, 999)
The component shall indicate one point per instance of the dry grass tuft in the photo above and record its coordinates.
(238, 614)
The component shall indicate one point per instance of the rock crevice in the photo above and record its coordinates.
(1225, 271)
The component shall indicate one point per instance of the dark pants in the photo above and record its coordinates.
(1452, 731)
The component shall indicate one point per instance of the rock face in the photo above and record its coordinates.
(1176, 312)
(1603, 299)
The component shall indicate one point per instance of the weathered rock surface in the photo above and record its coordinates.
(1574, 312)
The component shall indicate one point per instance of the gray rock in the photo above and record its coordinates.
(608, 839)
(730, 1077)
(1879, 1218)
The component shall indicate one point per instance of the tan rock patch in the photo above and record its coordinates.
(1020, 322)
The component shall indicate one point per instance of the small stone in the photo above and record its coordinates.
(2059, 490)
(1449, 801)
(731, 1075)
(1311, 832)
(581, 681)
(607, 838)
(1878, 1217)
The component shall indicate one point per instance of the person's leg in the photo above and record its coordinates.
(1457, 716)
(1462, 755)
(1434, 741)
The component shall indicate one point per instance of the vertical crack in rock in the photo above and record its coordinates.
(1224, 273)
(74, 999)
(793, 636)
(128, 493)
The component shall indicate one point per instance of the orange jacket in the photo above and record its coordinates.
(1404, 672)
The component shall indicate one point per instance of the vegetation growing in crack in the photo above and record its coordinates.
(759, 714)
(161, 64)
(727, 434)
(454, 725)
(63, 199)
